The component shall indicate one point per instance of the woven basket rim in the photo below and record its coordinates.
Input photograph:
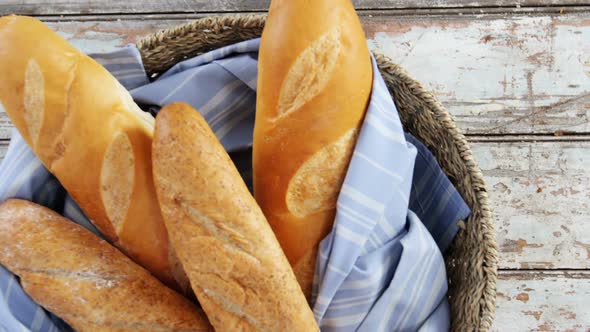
(218, 24)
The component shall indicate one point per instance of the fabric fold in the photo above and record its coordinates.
(379, 269)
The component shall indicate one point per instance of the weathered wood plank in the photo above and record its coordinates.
(558, 137)
(547, 301)
(496, 74)
(541, 201)
(77, 7)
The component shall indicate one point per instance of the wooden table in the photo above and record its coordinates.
(516, 76)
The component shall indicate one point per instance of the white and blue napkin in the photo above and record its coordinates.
(380, 269)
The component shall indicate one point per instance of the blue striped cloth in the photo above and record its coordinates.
(380, 269)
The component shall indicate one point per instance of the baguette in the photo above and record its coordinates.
(85, 281)
(240, 274)
(86, 129)
(314, 84)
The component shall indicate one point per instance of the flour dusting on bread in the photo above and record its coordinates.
(316, 184)
(310, 73)
(34, 102)
(116, 179)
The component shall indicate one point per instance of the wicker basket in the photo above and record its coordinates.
(472, 260)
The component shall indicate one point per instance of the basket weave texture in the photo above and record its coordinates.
(472, 260)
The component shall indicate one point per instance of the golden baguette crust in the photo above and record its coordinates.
(86, 129)
(314, 84)
(84, 280)
(234, 262)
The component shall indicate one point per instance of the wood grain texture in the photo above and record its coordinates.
(77, 7)
(543, 301)
(540, 197)
(496, 74)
